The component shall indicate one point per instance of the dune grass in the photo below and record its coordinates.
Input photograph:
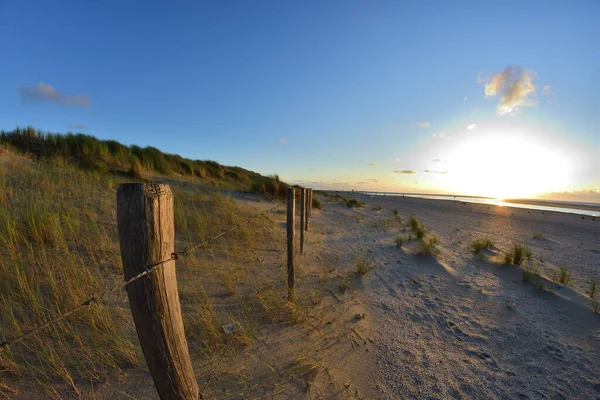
(429, 246)
(109, 156)
(562, 276)
(399, 240)
(61, 243)
(517, 255)
(479, 244)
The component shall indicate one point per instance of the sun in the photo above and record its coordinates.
(504, 166)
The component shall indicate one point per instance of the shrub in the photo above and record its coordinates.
(354, 203)
(420, 232)
(316, 203)
(399, 241)
(395, 212)
(480, 244)
(563, 276)
(428, 247)
(519, 252)
(413, 222)
(593, 287)
(363, 264)
(530, 273)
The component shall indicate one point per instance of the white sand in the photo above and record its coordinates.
(441, 326)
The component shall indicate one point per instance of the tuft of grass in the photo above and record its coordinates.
(562, 276)
(399, 240)
(364, 264)
(377, 208)
(316, 203)
(519, 253)
(596, 306)
(428, 246)
(354, 203)
(510, 304)
(413, 222)
(480, 244)
(538, 235)
(395, 212)
(420, 232)
(530, 273)
(593, 287)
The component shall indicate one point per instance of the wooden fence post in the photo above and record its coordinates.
(306, 210)
(302, 217)
(310, 200)
(291, 211)
(147, 236)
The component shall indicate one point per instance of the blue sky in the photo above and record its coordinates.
(317, 91)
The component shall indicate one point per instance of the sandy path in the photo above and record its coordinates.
(442, 328)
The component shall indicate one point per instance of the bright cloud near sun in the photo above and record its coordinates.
(514, 87)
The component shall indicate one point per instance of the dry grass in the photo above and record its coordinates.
(62, 247)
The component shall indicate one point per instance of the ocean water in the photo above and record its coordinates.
(564, 206)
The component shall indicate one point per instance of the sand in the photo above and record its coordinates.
(459, 326)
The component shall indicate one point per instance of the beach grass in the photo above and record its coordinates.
(562, 276)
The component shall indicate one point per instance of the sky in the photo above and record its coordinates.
(480, 98)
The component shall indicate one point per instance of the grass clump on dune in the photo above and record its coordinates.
(530, 273)
(517, 255)
(316, 203)
(364, 265)
(429, 246)
(399, 240)
(562, 276)
(593, 287)
(480, 244)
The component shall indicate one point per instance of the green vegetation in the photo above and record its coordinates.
(316, 203)
(480, 244)
(593, 287)
(364, 264)
(596, 306)
(109, 156)
(395, 212)
(428, 246)
(413, 222)
(58, 229)
(517, 255)
(537, 235)
(530, 273)
(399, 240)
(377, 208)
(350, 203)
(562, 276)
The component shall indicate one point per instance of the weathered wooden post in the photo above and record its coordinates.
(291, 215)
(302, 217)
(305, 225)
(146, 235)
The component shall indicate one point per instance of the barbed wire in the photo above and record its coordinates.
(148, 269)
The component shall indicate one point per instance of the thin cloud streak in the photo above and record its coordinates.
(45, 93)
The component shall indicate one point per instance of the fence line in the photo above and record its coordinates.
(148, 269)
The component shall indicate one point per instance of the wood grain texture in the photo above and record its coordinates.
(302, 217)
(146, 236)
(291, 215)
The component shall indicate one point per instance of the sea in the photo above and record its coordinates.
(580, 208)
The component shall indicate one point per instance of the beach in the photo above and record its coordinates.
(463, 325)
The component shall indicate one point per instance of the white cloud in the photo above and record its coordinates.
(405, 171)
(465, 98)
(440, 135)
(423, 124)
(46, 93)
(514, 87)
(282, 140)
(471, 127)
(372, 165)
(547, 90)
